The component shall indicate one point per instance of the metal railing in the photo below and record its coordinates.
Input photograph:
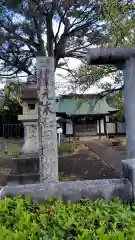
(12, 131)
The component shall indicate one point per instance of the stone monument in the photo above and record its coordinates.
(39, 119)
(48, 154)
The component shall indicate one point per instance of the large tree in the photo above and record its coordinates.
(27, 29)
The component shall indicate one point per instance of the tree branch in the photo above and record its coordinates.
(87, 24)
(15, 36)
(20, 67)
(41, 49)
(79, 54)
(61, 20)
(10, 75)
(50, 35)
(82, 19)
(61, 45)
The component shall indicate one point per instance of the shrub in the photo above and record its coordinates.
(56, 220)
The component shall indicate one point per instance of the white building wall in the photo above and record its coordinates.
(69, 128)
(102, 126)
(111, 128)
(107, 118)
(97, 126)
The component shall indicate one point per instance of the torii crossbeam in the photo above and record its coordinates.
(124, 59)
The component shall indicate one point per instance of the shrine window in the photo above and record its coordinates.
(31, 106)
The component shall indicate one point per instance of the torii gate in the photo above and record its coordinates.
(123, 59)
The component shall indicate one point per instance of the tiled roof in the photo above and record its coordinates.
(83, 106)
(73, 104)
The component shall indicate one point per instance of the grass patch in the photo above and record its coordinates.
(66, 148)
(20, 219)
(14, 148)
(68, 177)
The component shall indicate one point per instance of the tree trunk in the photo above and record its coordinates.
(48, 156)
(129, 98)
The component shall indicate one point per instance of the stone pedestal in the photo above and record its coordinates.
(26, 165)
(31, 138)
(31, 143)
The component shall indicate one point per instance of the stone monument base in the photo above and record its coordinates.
(73, 191)
(25, 169)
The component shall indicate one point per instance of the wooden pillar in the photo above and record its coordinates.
(73, 122)
(99, 128)
(105, 131)
(116, 127)
(48, 156)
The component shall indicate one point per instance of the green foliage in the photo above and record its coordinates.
(11, 101)
(119, 16)
(88, 76)
(21, 219)
(116, 100)
(17, 221)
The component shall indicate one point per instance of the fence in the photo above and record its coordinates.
(13, 131)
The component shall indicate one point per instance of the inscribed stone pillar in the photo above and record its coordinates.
(129, 97)
(48, 155)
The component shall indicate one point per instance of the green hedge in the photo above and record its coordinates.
(55, 220)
